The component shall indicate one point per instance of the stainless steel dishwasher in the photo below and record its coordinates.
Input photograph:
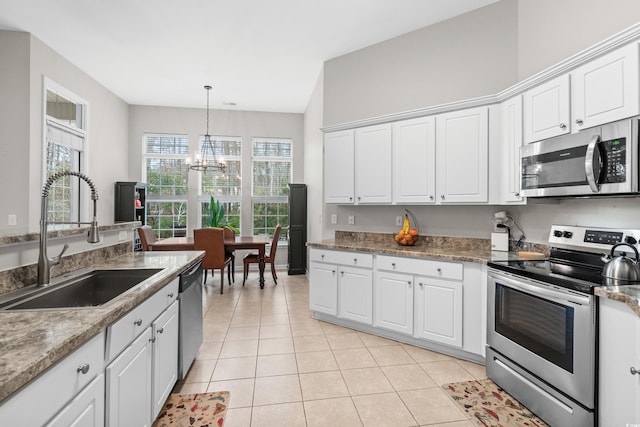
(190, 335)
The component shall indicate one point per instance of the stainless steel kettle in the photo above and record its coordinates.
(621, 267)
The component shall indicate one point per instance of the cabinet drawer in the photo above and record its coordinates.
(423, 267)
(51, 391)
(356, 259)
(125, 330)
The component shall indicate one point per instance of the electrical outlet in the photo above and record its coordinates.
(122, 235)
(12, 220)
(352, 219)
(334, 218)
(399, 221)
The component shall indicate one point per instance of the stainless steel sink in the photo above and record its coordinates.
(93, 289)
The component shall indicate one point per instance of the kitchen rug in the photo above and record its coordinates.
(194, 410)
(487, 405)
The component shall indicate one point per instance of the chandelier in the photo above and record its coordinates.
(206, 159)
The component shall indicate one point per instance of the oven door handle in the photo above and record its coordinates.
(590, 163)
(540, 290)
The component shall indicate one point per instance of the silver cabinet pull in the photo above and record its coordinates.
(439, 270)
(138, 322)
(350, 198)
(634, 371)
(421, 284)
(333, 272)
(342, 273)
(170, 295)
(430, 196)
(160, 330)
(442, 196)
(393, 264)
(358, 198)
(152, 339)
(517, 194)
(579, 122)
(84, 368)
(563, 126)
(322, 257)
(355, 260)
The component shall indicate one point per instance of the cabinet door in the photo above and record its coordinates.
(85, 410)
(165, 356)
(393, 308)
(546, 110)
(439, 310)
(511, 143)
(619, 389)
(373, 164)
(339, 167)
(128, 390)
(606, 89)
(323, 288)
(355, 294)
(414, 160)
(462, 149)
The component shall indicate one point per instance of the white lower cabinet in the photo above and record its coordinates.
(394, 302)
(165, 356)
(355, 294)
(438, 310)
(323, 293)
(85, 410)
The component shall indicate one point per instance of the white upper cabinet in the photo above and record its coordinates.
(546, 110)
(511, 143)
(606, 89)
(462, 149)
(414, 161)
(339, 167)
(373, 164)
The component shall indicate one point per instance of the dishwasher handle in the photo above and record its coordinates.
(190, 276)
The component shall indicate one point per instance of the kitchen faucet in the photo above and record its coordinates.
(44, 262)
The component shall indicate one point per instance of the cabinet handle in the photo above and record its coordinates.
(579, 122)
(333, 271)
(355, 260)
(439, 270)
(421, 284)
(431, 197)
(152, 339)
(342, 273)
(84, 368)
(350, 198)
(160, 330)
(322, 257)
(409, 283)
(393, 264)
(170, 295)
(634, 371)
(138, 322)
(358, 198)
(563, 126)
(442, 196)
(517, 194)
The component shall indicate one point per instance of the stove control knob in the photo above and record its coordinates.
(557, 233)
(630, 240)
(567, 234)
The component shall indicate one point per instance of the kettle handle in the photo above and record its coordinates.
(626, 244)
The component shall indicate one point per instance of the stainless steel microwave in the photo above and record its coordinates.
(599, 161)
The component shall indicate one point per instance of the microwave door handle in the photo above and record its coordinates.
(589, 164)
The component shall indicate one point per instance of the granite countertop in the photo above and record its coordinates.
(629, 295)
(32, 341)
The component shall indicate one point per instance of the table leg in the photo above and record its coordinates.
(261, 266)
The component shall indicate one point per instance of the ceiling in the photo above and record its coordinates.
(260, 55)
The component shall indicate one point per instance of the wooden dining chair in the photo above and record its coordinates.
(211, 240)
(253, 258)
(231, 235)
(147, 237)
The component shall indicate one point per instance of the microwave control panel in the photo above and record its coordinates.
(615, 160)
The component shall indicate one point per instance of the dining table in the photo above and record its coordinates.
(238, 243)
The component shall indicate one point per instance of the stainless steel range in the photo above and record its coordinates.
(542, 327)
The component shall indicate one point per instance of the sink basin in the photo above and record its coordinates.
(93, 289)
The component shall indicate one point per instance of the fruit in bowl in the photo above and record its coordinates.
(407, 236)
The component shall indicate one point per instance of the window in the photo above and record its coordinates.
(272, 172)
(166, 174)
(64, 145)
(224, 188)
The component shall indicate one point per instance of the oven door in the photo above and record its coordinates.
(546, 330)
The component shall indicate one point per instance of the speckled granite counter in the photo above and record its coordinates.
(32, 341)
(629, 295)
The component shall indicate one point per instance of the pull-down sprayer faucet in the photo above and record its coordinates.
(44, 262)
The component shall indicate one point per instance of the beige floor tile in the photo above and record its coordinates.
(200, 371)
(214, 335)
(478, 371)
(234, 368)
(316, 361)
(331, 329)
(422, 355)
(431, 405)
(275, 346)
(192, 388)
(274, 319)
(446, 371)
(209, 350)
(287, 414)
(343, 341)
(366, 381)
(274, 309)
(354, 358)
(323, 385)
(276, 364)
(303, 328)
(382, 410)
(241, 348)
(275, 331)
(340, 412)
(374, 341)
(310, 343)
(238, 417)
(241, 391)
(243, 321)
(301, 316)
(278, 389)
(243, 333)
(408, 377)
(390, 355)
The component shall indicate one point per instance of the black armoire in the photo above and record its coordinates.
(297, 260)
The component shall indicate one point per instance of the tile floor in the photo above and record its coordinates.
(284, 368)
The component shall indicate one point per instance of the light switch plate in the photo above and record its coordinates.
(399, 221)
(334, 218)
(352, 219)
(122, 235)
(12, 220)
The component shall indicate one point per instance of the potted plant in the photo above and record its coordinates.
(217, 216)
